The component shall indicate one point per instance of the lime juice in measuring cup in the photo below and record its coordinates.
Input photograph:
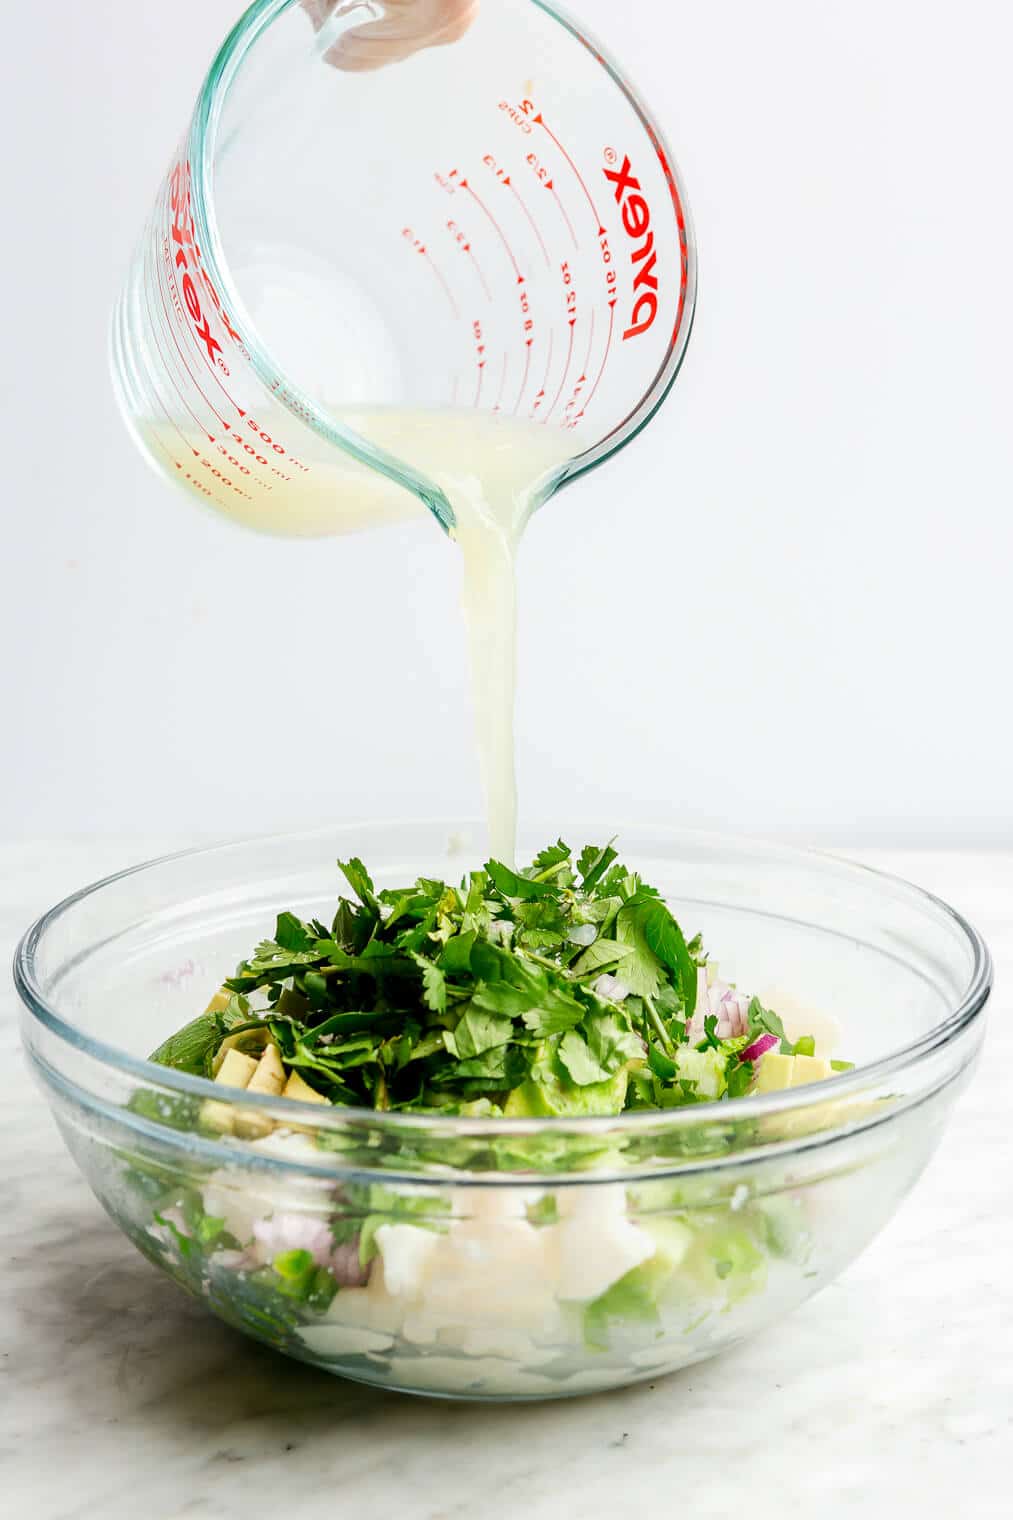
(459, 280)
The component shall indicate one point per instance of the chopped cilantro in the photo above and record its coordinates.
(545, 990)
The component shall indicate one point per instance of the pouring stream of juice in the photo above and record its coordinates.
(490, 470)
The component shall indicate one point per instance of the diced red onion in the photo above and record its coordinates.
(346, 1266)
(760, 1047)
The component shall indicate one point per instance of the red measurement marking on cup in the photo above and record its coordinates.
(570, 417)
(605, 359)
(566, 372)
(569, 291)
(177, 304)
(506, 181)
(611, 278)
(527, 371)
(463, 242)
(199, 485)
(540, 397)
(183, 359)
(547, 182)
(540, 121)
(244, 469)
(251, 452)
(168, 371)
(202, 486)
(202, 460)
(275, 446)
(527, 321)
(423, 252)
(466, 185)
(225, 480)
(177, 464)
(572, 313)
(519, 115)
(480, 359)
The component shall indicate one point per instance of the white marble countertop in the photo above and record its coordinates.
(891, 1392)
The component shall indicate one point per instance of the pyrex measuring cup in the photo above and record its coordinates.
(494, 226)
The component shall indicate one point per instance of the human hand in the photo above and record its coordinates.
(404, 28)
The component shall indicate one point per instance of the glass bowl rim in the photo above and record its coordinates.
(296, 1114)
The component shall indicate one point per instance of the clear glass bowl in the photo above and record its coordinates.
(513, 1259)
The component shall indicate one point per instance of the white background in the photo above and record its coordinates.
(786, 608)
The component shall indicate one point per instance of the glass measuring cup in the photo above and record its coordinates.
(494, 227)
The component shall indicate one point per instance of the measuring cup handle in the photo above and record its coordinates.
(361, 35)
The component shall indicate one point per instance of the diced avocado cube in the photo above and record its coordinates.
(237, 1070)
(249, 1042)
(249, 1125)
(269, 1077)
(219, 1002)
(775, 1072)
(809, 1069)
(217, 1117)
(301, 1091)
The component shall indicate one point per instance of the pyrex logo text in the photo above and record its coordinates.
(637, 222)
(187, 253)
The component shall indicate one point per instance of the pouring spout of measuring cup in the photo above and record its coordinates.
(360, 35)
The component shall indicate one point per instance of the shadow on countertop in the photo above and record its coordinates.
(105, 1337)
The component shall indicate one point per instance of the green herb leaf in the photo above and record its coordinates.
(603, 955)
(660, 1064)
(292, 933)
(192, 1048)
(509, 884)
(360, 881)
(434, 985)
(555, 1014)
(581, 1066)
(593, 864)
(765, 1021)
(710, 1040)
(612, 1043)
(554, 856)
(478, 1031)
(642, 971)
(654, 923)
(739, 1076)
(455, 958)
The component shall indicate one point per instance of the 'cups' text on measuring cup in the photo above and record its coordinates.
(490, 226)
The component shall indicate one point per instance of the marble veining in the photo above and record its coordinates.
(892, 1390)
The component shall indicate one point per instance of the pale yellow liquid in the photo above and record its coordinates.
(492, 472)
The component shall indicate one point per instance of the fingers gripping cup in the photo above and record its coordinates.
(360, 227)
